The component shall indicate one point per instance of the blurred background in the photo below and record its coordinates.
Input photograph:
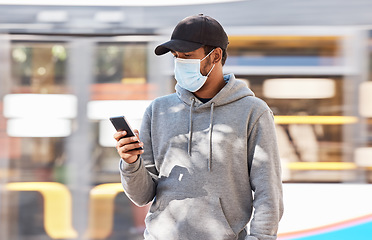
(66, 67)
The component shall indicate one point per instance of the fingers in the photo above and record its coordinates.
(127, 147)
(119, 135)
(129, 152)
(136, 132)
(129, 144)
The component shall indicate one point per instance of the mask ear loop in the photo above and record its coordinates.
(207, 55)
(213, 64)
(210, 70)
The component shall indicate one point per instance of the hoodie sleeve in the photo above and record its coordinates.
(139, 179)
(265, 179)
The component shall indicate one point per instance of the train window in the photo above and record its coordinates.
(309, 109)
(125, 63)
(38, 67)
(121, 72)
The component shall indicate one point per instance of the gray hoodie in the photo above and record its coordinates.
(206, 166)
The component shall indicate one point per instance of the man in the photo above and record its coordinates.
(207, 147)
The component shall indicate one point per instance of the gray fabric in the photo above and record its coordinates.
(201, 164)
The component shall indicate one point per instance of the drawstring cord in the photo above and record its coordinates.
(190, 128)
(210, 138)
(210, 133)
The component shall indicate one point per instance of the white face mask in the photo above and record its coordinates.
(187, 73)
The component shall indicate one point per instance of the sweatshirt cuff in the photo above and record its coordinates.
(250, 238)
(130, 167)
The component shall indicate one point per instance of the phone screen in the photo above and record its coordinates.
(121, 124)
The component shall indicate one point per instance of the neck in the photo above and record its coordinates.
(212, 86)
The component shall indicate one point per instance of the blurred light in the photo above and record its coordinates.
(52, 16)
(132, 109)
(365, 99)
(41, 71)
(106, 133)
(137, 80)
(19, 54)
(328, 120)
(111, 2)
(39, 115)
(299, 88)
(30, 127)
(321, 166)
(40, 106)
(109, 16)
(59, 51)
(363, 156)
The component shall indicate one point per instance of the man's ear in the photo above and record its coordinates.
(217, 55)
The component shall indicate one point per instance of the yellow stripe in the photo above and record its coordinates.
(322, 166)
(140, 80)
(276, 38)
(282, 41)
(315, 120)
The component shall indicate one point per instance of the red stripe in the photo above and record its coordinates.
(327, 228)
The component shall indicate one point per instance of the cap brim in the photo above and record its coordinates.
(177, 46)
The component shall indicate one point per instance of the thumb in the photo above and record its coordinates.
(136, 132)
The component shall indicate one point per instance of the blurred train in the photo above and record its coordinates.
(58, 170)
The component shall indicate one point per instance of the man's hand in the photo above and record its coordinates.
(125, 146)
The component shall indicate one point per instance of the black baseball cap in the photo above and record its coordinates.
(192, 33)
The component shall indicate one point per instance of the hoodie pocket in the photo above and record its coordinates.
(189, 218)
(221, 217)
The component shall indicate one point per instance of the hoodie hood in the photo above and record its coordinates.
(232, 91)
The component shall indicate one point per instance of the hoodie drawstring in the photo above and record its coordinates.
(210, 133)
(210, 137)
(190, 128)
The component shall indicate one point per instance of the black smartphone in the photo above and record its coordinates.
(121, 124)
